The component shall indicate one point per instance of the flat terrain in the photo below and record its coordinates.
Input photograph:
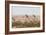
(25, 21)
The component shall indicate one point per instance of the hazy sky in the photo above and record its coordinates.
(21, 10)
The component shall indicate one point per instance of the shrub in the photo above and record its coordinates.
(20, 24)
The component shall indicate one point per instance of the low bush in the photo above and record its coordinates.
(19, 24)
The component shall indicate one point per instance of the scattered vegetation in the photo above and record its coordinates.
(19, 24)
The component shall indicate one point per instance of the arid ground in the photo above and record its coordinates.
(25, 21)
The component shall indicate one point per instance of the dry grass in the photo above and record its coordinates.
(26, 21)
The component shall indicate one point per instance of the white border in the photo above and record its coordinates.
(24, 29)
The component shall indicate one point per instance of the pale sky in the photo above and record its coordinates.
(22, 10)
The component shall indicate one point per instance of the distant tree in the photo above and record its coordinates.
(34, 16)
(13, 22)
(26, 16)
(13, 19)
